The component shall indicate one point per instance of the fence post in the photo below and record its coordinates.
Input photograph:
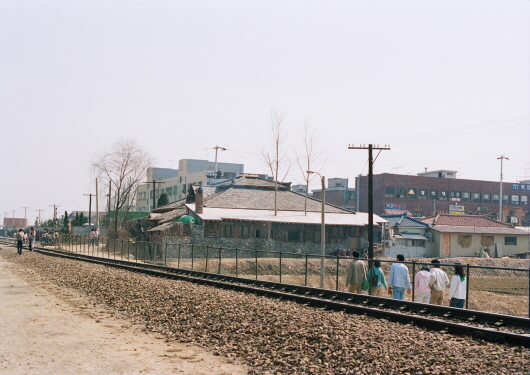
(529, 292)
(128, 252)
(207, 256)
(256, 264)
(136, 252)
(219, 269)
(467, 287)
(192, 257)
(337, 275)
(280, 266)
(178, 259)
(237, 264)
(306, 256)
(413, 276)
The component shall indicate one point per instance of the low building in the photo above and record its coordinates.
(249, 213)
(408, 236)
(471, 235)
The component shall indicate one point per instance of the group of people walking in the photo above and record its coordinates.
(430, 282)
(22, 238)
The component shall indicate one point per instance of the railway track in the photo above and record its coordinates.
(480, 325)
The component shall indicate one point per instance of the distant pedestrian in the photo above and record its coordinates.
(377, 279)
(399, 279)
(438, 283)
(421, 285)
(457, 292)
(356, 274)
(20, 239)
(92, 238)
(32, 237)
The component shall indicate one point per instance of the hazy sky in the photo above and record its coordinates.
(445, 83)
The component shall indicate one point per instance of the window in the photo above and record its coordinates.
(243, 231)
(444, 195)
(338, 232)
(389, 192)
(466, 196)
(225, 231)
(486, 197)
(433, 194)
(412, 193)
(510, 240)
(506, 198)
(422, 193)
(475, 197)
(495, 198)
(455, 195)
(400, 193)
(417, 214)
(258, 233)
(294, 236)
(524, 199)
(316, 236)
(515, 199)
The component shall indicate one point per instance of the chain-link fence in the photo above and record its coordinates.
(491, 289)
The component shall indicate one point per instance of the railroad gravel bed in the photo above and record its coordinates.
(276, 337)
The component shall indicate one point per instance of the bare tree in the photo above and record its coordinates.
(276, 160)
(307, 158)
(124, 167)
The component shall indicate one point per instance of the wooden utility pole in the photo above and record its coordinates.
(370, 148)
(89, 208)
(39, 215)
(500, 197)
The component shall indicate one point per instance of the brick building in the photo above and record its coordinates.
(441, 192)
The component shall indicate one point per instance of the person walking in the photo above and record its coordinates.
(457, 292)
(19, 238)
(399, 279)
(421, 285)
(32, 237)
(377, 279)
(438, 283)
(356, 274)
(92, 238)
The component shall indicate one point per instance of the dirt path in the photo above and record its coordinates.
(45, 329)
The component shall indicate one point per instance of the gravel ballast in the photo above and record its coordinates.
(272, 336)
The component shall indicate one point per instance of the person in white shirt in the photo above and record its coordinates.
(457, 292)
(438, 283)
(421, 285)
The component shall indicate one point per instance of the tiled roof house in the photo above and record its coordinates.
(468, 235)
(241, 213)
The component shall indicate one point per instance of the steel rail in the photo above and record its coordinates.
(407, 312)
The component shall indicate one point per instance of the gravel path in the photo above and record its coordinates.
(276, 337)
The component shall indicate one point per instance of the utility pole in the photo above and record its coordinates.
(370, 194)
(154, 189)
(39, 215)
(14, 218)
(500, 197)
(55, 214)
(217, 148)
(89, 208)
(97, 206)
(25, 208)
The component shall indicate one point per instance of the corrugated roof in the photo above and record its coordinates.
(332, 218)
(412, 236)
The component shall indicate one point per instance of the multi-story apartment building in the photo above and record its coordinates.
(175, 183)
(442, 192)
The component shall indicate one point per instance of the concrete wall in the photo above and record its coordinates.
(400, 247)
(457, 250)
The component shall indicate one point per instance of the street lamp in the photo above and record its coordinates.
(322, 229)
